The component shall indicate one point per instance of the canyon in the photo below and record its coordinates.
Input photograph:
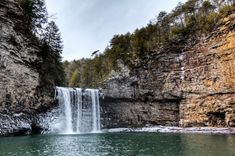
(189, 87)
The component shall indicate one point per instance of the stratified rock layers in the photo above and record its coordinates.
(19, 79)
(209, 86)
(193, 87)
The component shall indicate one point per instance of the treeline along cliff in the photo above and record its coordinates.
(30, 63)
(178, 70)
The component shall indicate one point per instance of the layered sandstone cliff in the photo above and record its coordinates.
(209, 85)
(193, 86)
(19, 79)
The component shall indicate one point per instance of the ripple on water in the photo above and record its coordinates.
(151, 144)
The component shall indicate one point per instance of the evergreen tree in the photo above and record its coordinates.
(206, 7)
(52, 71)
(35, 14)
(52, 37)
(169, 32)
(48, 38)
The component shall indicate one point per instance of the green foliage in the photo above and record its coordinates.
(51, 70)
(189, 7)
(119, 49)
(73, 82)
(206, 7)
(35, 14)
(169, 31)
(52, 37)
(226, 10)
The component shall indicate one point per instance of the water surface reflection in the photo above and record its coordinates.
(141, 144)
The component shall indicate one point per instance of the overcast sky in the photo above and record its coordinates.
(89, 25)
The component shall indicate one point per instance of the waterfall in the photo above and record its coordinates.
(79, 110)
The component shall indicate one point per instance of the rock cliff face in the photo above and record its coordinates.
(209, 84)
(19, 80)
(194, 86)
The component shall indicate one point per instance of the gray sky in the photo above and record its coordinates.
(89, 25)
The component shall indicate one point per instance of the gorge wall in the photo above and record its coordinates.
(193, 87)
(20, 95)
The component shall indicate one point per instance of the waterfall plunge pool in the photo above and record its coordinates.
(78, 116)
(78, 113)
(119, 144)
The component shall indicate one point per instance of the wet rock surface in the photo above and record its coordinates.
(17, 124)
(193, 86)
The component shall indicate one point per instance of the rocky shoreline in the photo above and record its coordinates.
(17, 124)
(25, 124)
(166, 129)
(190, 87)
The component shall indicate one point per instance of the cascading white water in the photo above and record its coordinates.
(65, 100)
(79, 110)
(79, 107)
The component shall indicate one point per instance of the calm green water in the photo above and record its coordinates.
(123, 144)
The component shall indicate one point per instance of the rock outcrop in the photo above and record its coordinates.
(209, 84)
(193, 86)
(190, 86)
(19, 79)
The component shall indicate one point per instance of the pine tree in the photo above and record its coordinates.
(52, 71)
(52, 37)
(35, 14)
(207, 7)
